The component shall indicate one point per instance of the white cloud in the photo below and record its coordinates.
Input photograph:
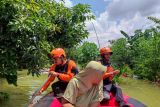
(128, 8)
(67, 3)
(127, 15)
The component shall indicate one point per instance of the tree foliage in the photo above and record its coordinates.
(72, 24)
(85, 53)
(29, 29)
(141, 52)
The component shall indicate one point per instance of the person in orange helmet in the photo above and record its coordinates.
(108, 84)
(62, 68)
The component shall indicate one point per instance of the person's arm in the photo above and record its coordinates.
(67, 77)
(107, 74)
(44, 86)
(47, 83)
(115, 72)
(49, 80)
(110, 72)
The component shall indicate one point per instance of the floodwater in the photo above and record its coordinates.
(143, 91)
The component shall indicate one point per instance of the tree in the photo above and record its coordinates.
(121, 53)
(141, 51)
(72, 24)
(85, 53)
(30, 29)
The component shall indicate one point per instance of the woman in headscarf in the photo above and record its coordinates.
(86, 88)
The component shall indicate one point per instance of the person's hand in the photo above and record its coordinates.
(55, 74)
(37, 93)
(116, 72)
(111, 74)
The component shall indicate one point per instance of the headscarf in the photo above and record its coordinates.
(87, 86)
(90, 76)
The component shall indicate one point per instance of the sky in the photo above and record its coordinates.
(115, 15)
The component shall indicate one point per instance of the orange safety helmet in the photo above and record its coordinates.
(105, 50)
(57, 52)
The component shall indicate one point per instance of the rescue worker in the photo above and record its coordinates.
(108, 84)
(63, 69)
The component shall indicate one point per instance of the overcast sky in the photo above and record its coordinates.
(115, 15)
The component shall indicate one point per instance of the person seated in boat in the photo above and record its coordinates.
(62, 68)
(86, 88)
(108, 84)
